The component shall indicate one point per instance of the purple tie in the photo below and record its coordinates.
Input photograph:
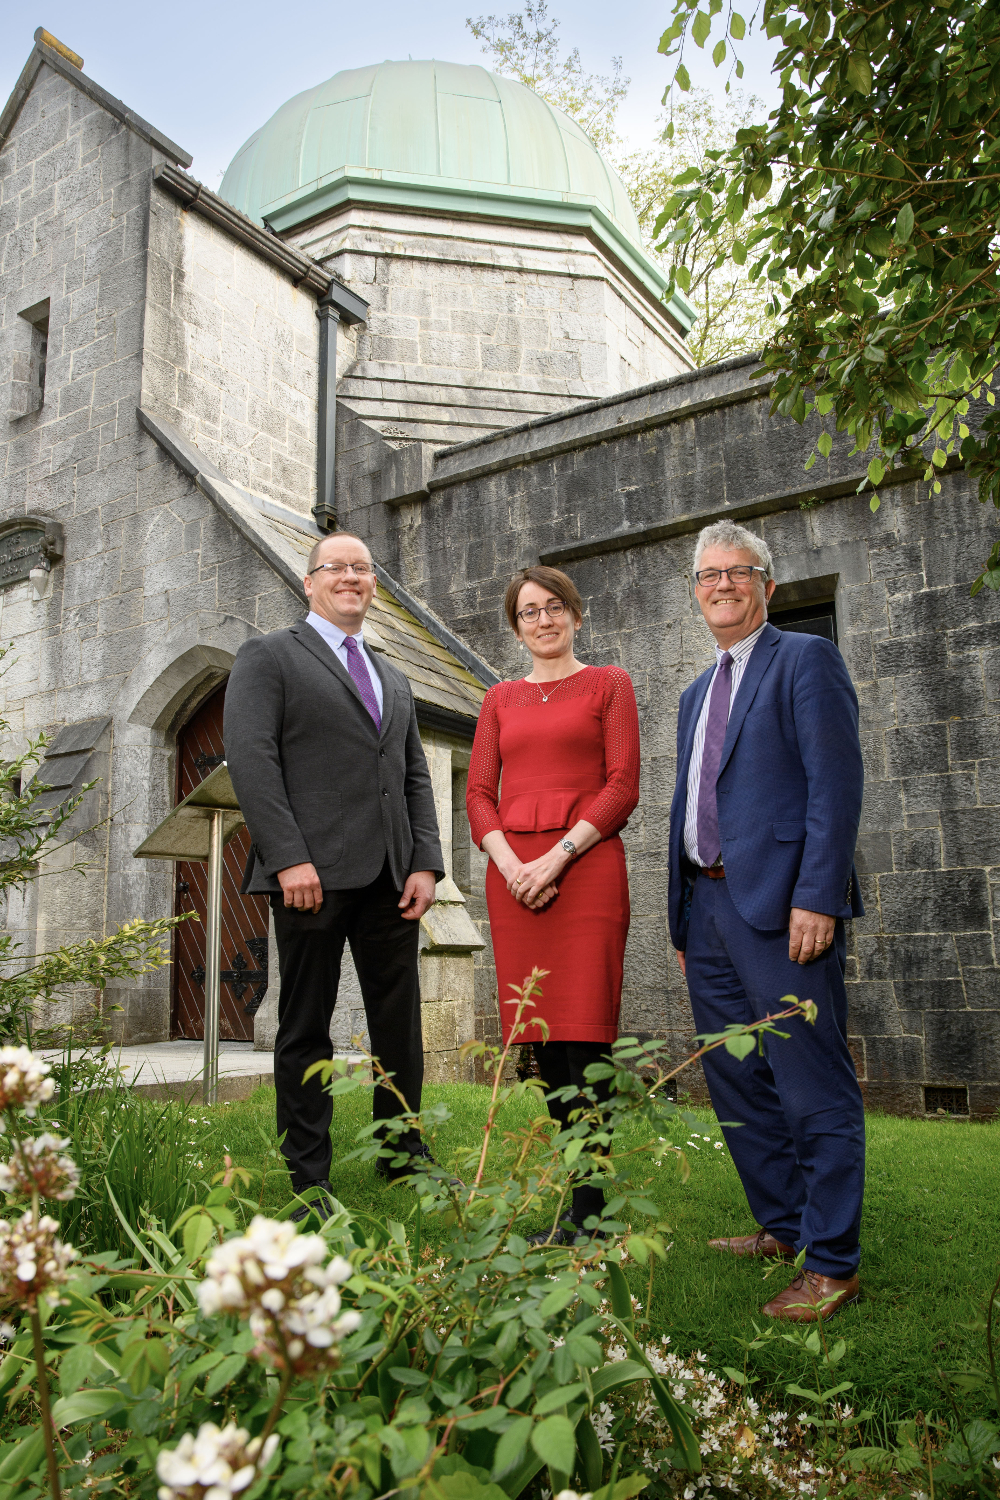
(709, 843)
(358, 670)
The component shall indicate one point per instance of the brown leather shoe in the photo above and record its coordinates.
(761, 1243)
(812, 1297)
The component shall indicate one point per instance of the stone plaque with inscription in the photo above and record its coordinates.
(20, 551)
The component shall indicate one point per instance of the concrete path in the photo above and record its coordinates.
(172, 1070)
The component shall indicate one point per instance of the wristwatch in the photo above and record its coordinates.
(569, 846)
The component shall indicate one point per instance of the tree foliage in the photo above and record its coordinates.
(525, 45)
(880, 249)
(732, 310)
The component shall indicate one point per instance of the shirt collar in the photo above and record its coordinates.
(742, 648)
(331, 633)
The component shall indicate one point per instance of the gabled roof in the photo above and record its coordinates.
(449, 681)
(61, 59)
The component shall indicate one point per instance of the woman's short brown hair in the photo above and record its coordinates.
(554, 579)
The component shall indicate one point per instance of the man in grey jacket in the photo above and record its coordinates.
(323, 748)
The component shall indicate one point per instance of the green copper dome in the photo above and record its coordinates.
(444, 137)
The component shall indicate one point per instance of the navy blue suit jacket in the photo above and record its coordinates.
(789, 788)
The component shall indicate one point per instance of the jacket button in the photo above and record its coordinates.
(385, 792)
(382, 753)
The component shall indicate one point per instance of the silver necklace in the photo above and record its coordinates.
(548, 695)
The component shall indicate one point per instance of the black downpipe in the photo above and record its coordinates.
(336, 305)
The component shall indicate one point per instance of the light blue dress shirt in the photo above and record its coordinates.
(335, 639)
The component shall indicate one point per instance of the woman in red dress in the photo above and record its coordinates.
(566, 741)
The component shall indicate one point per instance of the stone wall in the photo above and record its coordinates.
(230, 355)
(475, 326)
(925, 658)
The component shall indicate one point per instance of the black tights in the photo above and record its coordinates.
(562, 1064)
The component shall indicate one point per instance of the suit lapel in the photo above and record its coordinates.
(760, 659)
(314, 643)
(388, 690)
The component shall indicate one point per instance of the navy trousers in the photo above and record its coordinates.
(799, 1136)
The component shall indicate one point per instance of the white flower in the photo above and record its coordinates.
(278, 1277)
(24, 1080)
(215, 1465)
(37, 1166)
(32, 1261)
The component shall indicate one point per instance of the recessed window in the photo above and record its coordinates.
(808, 619)
(949, 1100)
(31, 356)
(461, 835)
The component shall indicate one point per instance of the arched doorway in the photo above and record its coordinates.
(244, 918)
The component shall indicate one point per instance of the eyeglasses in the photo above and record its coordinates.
(553, 609)
(742, 573)
(360, 570)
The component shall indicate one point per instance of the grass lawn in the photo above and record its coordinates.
(930, 1240)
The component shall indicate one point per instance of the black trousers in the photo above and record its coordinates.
(310, 948)
(562, 1064)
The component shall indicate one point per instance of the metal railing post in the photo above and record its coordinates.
(213, 959)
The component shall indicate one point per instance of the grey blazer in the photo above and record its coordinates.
(316, 782)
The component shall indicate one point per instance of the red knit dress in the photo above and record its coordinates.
(573, 756)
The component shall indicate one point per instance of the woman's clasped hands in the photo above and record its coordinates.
(534, 883)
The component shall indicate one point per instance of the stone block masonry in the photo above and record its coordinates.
(230, 355)
(616, 491)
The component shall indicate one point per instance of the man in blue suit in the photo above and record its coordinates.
(762, 834)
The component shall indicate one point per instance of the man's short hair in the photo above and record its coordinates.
(734, 538)
(333, 536)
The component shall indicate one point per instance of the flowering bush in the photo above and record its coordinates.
(277, 1276)
(40, 1165)
(214, 1465)
(25, 1082)
(33, 1262)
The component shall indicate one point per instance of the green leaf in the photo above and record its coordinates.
(859, 73)
(224, 1373)
(634, 1484)
(510, 1449)
(740, 1046)
(621, 1297)
(876, 471)
(739, 68)
(719, 53)
(554, 1400)
(682, 78)
(554, 1440)
(84, 1406)
(622, 1372)
(591, 1453)
(739, 252)
(557, 1299)
(21, 1461)
(939, 457)
(682, 276)
(825, 444)
(701, 28)
(199, 1231)
(737, 26)
(760, 183)
(878, 242)
(904, 224)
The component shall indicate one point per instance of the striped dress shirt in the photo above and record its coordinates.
(740, 654)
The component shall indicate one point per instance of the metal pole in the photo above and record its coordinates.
(213, 946)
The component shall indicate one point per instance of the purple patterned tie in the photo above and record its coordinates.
(709, 843)
(358, 670)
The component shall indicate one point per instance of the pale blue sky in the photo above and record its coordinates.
(209, 74)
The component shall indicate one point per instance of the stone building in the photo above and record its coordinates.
(420, 308)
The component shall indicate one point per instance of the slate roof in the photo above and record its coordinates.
(443, 673)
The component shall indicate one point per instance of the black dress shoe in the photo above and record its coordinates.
(415, 1159)
(318, 1202)
(569, 1232)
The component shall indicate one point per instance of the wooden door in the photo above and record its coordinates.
(244, 918)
